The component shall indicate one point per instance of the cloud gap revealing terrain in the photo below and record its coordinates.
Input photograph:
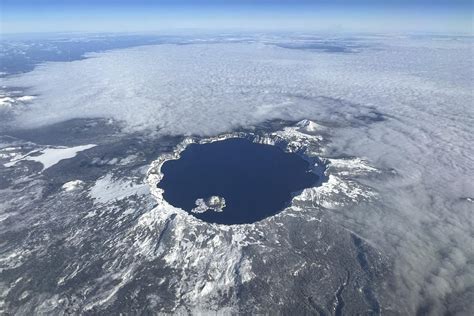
(371, 135)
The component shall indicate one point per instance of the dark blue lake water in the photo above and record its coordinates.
(256, 180)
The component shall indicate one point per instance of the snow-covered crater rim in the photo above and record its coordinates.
(294, 139)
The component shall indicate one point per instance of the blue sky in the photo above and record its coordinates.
(443, 16)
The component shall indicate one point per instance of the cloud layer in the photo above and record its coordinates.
(405, 105)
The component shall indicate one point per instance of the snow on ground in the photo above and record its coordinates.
(404, 106)
(72, 185)
(107, 189)
(48, 157)
(354, 166)
(214, 203)
(203, 278)
(10, 153)
(336, 193)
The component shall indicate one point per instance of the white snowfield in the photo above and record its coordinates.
(72, 185)
(107, 189)
(48, 157)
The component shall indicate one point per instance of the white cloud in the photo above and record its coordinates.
(207, 89)
(422, 87)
